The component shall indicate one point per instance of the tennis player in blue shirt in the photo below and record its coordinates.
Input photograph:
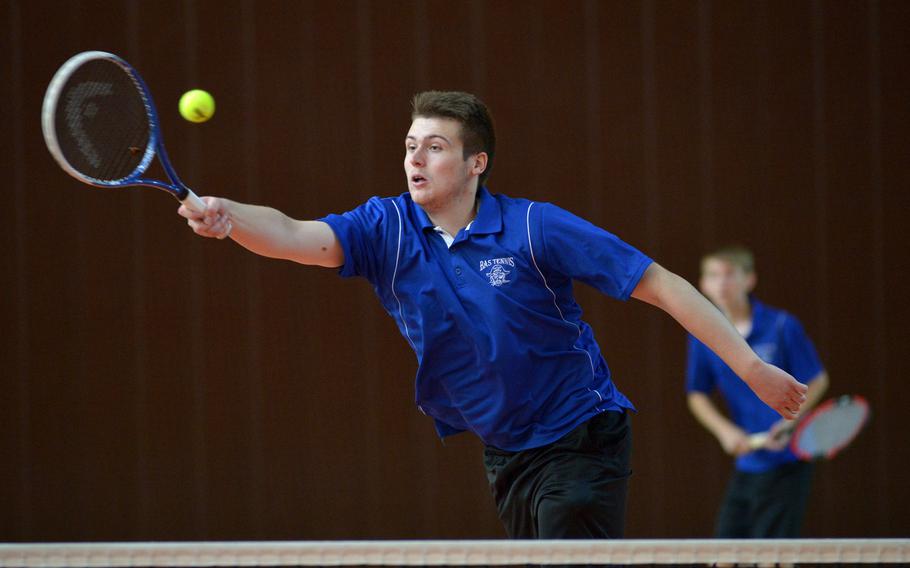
(480, 286)
(768, 492)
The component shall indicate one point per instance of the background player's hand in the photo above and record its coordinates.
(777, 389)
(734, 440)
(215, 222)
(779, 435)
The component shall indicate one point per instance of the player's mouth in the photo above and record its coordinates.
(418, 181)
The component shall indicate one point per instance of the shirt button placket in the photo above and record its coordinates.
(458, 270)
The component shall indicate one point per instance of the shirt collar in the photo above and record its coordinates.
(488, 220)
(489, 216)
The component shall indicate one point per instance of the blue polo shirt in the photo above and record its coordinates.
(501, 348)
(777, 338)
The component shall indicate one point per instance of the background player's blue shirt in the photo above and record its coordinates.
(501, 347)
(778, 338)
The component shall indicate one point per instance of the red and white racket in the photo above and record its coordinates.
(825, 431)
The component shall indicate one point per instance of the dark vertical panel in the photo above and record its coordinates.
(478, 42)
(734, 102)
(783, 197)
(255, 331)
(593, 107)
(708, 234)
(19, 485)
(421, 46)
(888, 426)
(820, 171)
(877, 318)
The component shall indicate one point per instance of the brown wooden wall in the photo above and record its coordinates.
(154, 385)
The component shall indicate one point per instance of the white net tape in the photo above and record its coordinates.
(459, 553)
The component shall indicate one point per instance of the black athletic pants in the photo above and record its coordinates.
(573, 488)
(771, 504)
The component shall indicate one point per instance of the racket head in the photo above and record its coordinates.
(830, 427)
(99, 121)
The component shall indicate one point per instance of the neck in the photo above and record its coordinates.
(739, 312)
(456, 215)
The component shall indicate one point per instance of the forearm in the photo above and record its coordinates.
(698, 316)
(678, 298)
(269, 232)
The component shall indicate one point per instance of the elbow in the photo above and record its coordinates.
(658, 286)
(652, 282)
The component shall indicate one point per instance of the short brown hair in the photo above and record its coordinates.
(476, 123)
(737, 255)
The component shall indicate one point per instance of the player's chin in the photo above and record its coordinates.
(420, 195)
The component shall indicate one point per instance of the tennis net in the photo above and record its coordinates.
(801, 552)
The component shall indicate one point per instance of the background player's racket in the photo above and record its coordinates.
(101, 126)
(825, 431)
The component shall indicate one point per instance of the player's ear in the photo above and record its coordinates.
(479, 163)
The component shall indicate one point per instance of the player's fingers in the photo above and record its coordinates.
(220, 227)
(188, 213)
(200, 228)
(217, 224)
(227, 230)
(210, 202)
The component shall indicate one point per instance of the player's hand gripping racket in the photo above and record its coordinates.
(101, 126)
(825, 431)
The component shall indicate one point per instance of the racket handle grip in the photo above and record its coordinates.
(193, 203)
(756, 441)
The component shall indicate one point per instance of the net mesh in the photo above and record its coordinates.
(101, 121)
(801, 552)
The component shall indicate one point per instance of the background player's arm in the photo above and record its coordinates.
(732, 438)
(672, 294)
(267, 232)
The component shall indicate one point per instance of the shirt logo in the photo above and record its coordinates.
(496, 270)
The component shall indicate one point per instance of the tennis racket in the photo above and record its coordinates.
(101, 126)
(825, 431)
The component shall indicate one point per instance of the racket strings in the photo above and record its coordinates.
(831, 430)
(101, 121)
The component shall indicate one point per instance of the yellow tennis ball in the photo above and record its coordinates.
(197, 105)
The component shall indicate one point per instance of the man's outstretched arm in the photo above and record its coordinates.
(267, 232)
(660, 287)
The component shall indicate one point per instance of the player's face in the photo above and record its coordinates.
(725, 283)
(437, 172)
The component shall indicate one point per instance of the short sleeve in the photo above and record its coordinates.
(361, 234)
(580, 250)
(699, 376)
(801, 358)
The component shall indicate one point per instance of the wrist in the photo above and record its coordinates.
(751, 369)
